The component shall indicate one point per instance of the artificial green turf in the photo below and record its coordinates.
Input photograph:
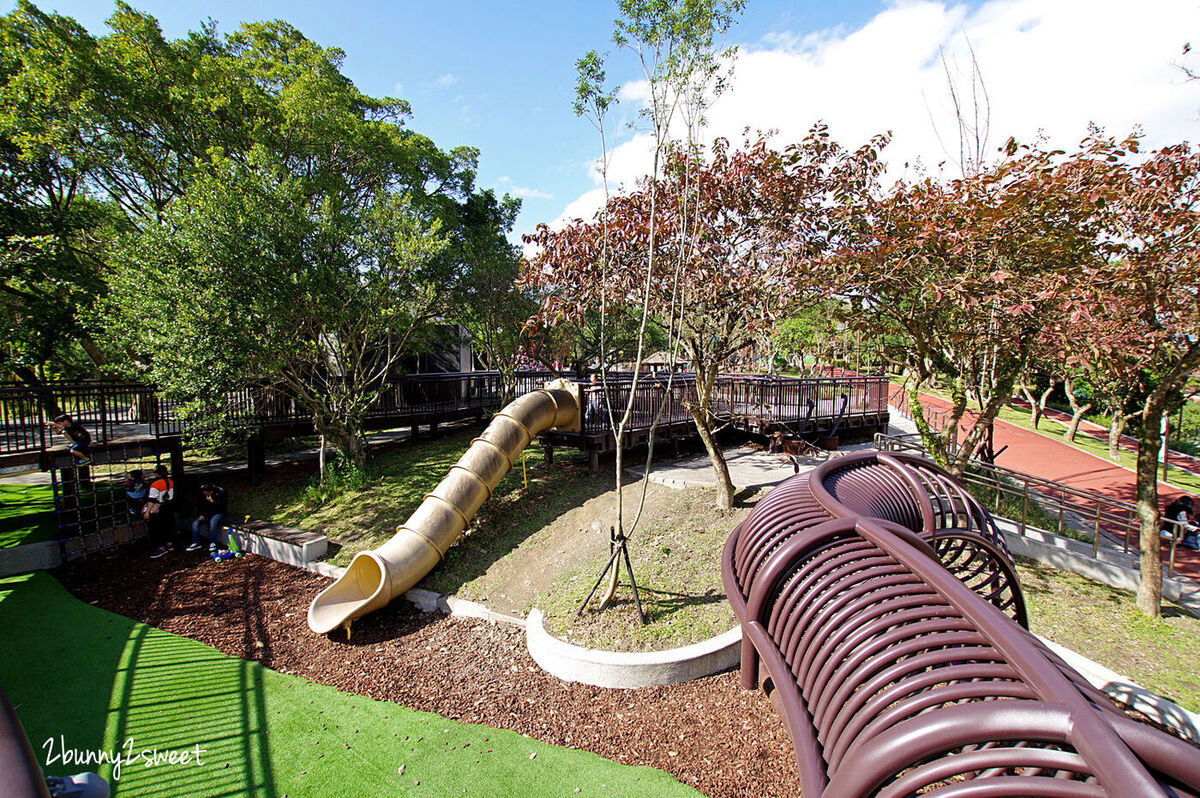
(26, 514)
(89, 680)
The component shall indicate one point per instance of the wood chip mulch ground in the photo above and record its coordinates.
(711, 734)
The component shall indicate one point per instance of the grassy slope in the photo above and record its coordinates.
(676, 555)
(1184, 480)
(26, 514)
(1104, 624)
(676, 558)
(263, 733)
(365, 518)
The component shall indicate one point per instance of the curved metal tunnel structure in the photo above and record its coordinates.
(908, 493)
(377, 576)
(867, 592)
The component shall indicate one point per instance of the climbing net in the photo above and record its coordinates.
(92, 510)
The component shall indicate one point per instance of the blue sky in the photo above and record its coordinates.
(499, 75)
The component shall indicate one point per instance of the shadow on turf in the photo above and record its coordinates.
(119, 690)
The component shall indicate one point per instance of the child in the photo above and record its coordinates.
(81, 439)
(160, 517)
(1177, 518)
(136, 489)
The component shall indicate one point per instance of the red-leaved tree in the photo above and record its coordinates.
(972, 273)
(1144, 309)
(757, 219)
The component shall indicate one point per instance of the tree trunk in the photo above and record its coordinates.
(347, 440)
(932, 441)
(93, 352)
(1076, 417)
(720, 467)
(1149, 594)
(1034, 409)
(46, 397)
(1115, 431)
(987, 417)
(1041, 407)
(702, 418)
(508, 383)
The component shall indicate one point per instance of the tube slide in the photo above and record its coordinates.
(376, 577)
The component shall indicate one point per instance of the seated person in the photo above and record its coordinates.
(211, 505)
(136, 489)
(1177, 521)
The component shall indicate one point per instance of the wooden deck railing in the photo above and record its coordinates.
(122, 410)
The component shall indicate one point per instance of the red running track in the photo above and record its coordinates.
(1044, 457)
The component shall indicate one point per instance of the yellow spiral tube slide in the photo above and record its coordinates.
(376, 577)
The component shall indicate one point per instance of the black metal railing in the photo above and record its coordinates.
(124, 410)
(1094, 515)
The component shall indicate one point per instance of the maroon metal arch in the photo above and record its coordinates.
(902, 489)
(897, 676)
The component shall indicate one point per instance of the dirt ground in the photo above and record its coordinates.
(512, 583)
(711, 734)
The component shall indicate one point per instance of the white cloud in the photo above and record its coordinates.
(521, 191)
(1049, 68)
(445, 81)
(398, 89)
(635, 91)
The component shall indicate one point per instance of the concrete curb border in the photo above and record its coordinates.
(573, 663)
(30, 557)
(627, 670)
(1131, 694)
(1113, 568)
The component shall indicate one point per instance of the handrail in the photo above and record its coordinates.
(869, 623)
(113, 410)
(1114, 519)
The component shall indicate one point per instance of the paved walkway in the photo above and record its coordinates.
(748, 468)
(1041, 456)
(1126, 442)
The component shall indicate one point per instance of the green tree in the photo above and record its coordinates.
(298, 245)
(804, 333)
(101, 135)
(259, 273)
(49, 274)
(489, 304)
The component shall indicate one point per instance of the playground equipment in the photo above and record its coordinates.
(905, 490)
(376, 577)
(881, 644)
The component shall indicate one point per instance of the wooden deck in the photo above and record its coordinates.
(120, 412)
(815, 408)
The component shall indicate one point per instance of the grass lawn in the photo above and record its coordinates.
(84, 679)
(26, 514)
(363, 518)
(1184, 480)
(1105, 625)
